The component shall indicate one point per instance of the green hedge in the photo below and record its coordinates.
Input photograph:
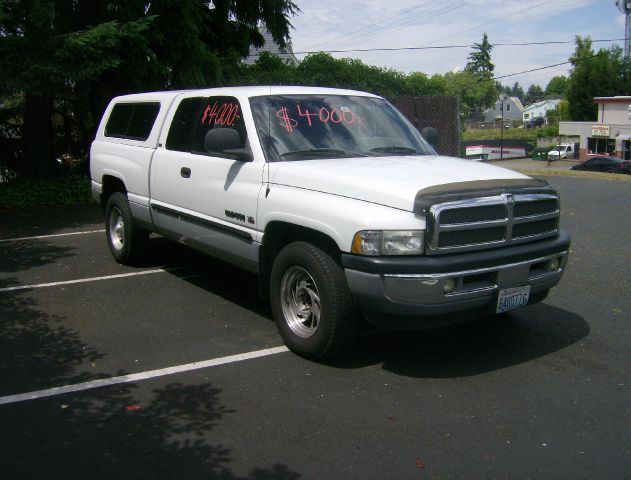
(52, 191)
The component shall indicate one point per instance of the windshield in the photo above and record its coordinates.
(307, 127)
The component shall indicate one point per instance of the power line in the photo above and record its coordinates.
(501, 18)
(410, 21)
(575, 60)
(361, 31)
(439, 47)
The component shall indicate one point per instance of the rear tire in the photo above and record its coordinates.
(126, 240)
(311, 303)
(610, 170)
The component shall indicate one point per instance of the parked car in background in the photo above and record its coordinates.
(535, 122)
(605, 164)
(565, 150)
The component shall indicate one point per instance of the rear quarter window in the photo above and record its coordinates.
(133, 121)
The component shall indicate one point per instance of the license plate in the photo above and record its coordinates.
(512, 298)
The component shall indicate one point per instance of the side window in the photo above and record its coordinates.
(132, 120)
(220, 113)
(183, 124)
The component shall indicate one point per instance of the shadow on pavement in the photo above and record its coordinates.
(472, 348)
(103, 433)
(49, 220)
(17, 256)
(215, 276)
(461, 350)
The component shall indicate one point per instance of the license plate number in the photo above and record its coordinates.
(512, 298)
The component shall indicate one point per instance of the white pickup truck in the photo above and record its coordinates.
(334, 200)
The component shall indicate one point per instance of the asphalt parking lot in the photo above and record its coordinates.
(174, 369)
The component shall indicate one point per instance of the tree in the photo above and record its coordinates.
(268, 70)
(533, 95)
(475, 84)
(518, 91)
(515, 91)
(44, 64)
(600, 74)
(325, 70)
(63, 60)
(474, 94)
(480, 59)
(561, 112)
(556, 87)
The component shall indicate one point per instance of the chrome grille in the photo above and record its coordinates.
(467, 237)
(473, 214)
(526, 209)
(487, 222)
(523, 230)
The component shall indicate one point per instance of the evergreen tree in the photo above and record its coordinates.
(479, 68)
(480, 59)
(65, 59)
(518, 91)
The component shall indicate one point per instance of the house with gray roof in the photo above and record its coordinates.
(512, 106)
(285, 53)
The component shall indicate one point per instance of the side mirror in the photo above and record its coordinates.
(226, 141)
(430, 134)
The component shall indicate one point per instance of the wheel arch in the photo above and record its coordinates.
(111, 184)
(279, 234)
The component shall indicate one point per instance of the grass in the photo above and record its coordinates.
(526, 134)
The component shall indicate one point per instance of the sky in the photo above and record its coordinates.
(368, 24)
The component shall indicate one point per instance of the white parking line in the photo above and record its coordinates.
(135, 377)
(19, 239)
(89, 279)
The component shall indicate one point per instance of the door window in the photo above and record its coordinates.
(183, 123)
(196, 116)
(219, 113)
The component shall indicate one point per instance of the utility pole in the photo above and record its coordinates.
(504, 98)
(625, 8)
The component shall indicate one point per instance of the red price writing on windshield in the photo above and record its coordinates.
(220, 114)
(335, 115)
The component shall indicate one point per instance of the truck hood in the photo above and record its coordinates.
(390, 181)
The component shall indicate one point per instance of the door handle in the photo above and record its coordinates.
(185, 172)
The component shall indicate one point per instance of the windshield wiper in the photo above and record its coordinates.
(395, 149)
(322, 151)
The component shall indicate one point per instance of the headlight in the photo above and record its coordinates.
(388, 242)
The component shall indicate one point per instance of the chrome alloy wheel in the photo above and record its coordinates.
(300, 302)
(116, 229)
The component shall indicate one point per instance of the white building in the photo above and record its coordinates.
(610, 134)
(539, 109)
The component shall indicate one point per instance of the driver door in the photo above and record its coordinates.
(207, 199)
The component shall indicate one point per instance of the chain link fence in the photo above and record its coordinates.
(439, 112)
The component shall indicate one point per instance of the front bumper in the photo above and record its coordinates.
(415, 287)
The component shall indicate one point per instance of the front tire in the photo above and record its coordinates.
(126, 240)
(311, 303)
